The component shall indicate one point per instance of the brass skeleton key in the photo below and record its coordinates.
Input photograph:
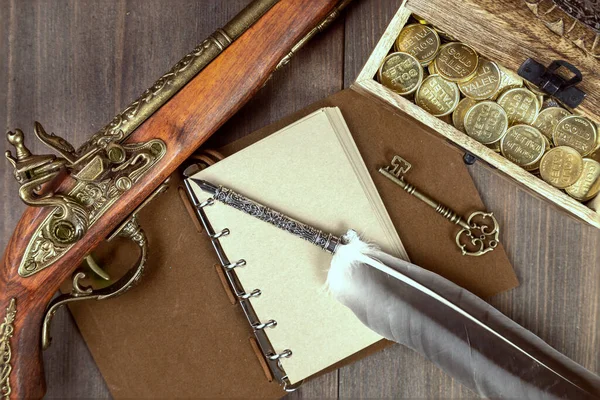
(479, 233)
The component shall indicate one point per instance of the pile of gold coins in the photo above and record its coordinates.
(494, 106)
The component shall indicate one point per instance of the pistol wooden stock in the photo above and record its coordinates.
(183, 124)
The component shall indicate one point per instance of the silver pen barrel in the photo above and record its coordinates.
(326, 241)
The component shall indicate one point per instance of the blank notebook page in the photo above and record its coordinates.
(313, 172)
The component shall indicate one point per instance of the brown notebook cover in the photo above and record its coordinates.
(177, 334)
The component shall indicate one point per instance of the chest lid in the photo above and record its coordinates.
(511, 31)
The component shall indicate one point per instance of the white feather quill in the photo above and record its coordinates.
(462, 334)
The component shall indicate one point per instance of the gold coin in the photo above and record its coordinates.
(456, 62)
(458, 116)
(495, 147)
(533, 88)
(437, 96)
(548, 143)
(509, 80)
(535, 167)
(561, 167)
(547, 120)
(431, 68)
(520, 105)
(401, 72)
(577, 132)
(588, 185)
(485, 83)
(540, 100)
(420, 41)
(597, 137)
(420, 20)
(486, 122)
(523, 144)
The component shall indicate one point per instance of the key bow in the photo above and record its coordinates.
(481, 236)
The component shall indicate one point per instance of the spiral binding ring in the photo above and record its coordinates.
(217, 235)
(284, 354)
(254, 293)
(245, 298)
(238, 263)
(269, 324)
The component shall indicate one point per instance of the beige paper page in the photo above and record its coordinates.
(304, 171)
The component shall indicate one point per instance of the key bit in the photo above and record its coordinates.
(480, 231)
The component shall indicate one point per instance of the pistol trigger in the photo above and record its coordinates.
(129, 229)
(89, 259)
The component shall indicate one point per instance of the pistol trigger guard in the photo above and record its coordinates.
(129, 229)
(132, 230)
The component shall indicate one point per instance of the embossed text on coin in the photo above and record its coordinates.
(524, 145)
(548, 118)
(485, 83)
(520, 105)
(561, 167)
(437, 96)
(486, 122)
(420, 41)
(401, 72)
(456, 62)
(577, 132)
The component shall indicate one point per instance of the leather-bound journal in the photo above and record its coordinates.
(182, 332)
(311, 170)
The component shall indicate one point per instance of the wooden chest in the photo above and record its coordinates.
(506, 32)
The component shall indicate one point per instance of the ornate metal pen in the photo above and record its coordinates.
(326, 241)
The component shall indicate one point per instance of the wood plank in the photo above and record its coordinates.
(367, 84)
(365, 23)
(507, 32)
(556, 259)
(89, 60)
(522, 177)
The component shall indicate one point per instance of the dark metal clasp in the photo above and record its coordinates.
(551, 82)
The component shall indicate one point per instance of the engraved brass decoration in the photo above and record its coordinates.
(6, 332)
(102, 166)
(102, 175)
(162, 90)
(179, 75)
(480, 231)
(567, 26)
(130, 229)
(317, 29)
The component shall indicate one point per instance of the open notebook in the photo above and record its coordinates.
(312, 171)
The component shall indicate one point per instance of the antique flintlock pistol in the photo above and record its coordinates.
(92, 193)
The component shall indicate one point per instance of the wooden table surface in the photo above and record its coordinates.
(73, 64)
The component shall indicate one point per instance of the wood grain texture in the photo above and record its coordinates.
(507, 32)
(366, 84)
(183, 124)
(73, 64)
